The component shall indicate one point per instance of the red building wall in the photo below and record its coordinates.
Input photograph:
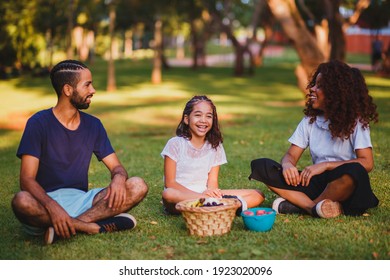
(361, 43)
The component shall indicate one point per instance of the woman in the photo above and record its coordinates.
(336, 129)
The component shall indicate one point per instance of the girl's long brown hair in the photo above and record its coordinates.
(214, 136)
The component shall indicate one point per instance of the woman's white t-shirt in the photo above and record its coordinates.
(323, 147)
(193, 165)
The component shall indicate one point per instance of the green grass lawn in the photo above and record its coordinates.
(257, 115)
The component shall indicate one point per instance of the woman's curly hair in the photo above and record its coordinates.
(214, 136)
(347, 100)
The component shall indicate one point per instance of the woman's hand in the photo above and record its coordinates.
(289, 162)
(310, 171)
(291, 174)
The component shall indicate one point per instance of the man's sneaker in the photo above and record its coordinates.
(243, 206)
(123, 221)
(327, 209)
(282, 206)
(50, 236)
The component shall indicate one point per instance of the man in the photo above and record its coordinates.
(55, 150)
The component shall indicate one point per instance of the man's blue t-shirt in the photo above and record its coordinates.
(64, 155)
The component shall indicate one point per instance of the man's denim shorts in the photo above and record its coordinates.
(74, 201)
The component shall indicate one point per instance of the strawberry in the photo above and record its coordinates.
(260, 212)
(248, 213)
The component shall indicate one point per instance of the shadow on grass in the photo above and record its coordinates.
(257, 114)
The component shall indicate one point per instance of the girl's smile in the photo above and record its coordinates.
(200, 120)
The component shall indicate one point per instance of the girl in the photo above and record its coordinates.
(336, 129)
(192, 159)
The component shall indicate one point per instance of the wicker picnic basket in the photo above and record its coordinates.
(208, 221)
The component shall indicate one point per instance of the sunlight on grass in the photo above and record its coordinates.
(377, 81)
(257, 115)
(163, 104)
(22, 100)
(143, 90)
(147, 104)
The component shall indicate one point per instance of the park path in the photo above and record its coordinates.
(228, 59)
(223, 59)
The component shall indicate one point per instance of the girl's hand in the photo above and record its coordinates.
(291, 175)
(216, 193)
(311, 171)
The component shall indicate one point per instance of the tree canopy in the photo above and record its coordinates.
(31, 31)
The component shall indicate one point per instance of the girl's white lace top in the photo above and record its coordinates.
(192, 164)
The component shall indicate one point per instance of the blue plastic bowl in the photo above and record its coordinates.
(259, 222)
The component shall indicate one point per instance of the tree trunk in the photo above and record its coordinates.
(49, 48)
(128, 44)
(84, 48)
(285, 11)
(336, 34)
(111, 82)
(194, 41)
(180, 53)
(259, 56)
(360, 6)
(69, 31)
(239, 49)
(386, 62)
(261, 11)
(157, 60)
(164, 61)
(239, 61)
(198, 45)
(91, 58)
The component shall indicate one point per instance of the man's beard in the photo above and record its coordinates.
(77, 102)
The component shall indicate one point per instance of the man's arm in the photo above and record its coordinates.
(60, 220)
(116, 191)
(28, 172)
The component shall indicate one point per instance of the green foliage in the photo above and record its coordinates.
(257, 115)
(20, 40)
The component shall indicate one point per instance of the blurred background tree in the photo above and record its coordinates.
(35, 34)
